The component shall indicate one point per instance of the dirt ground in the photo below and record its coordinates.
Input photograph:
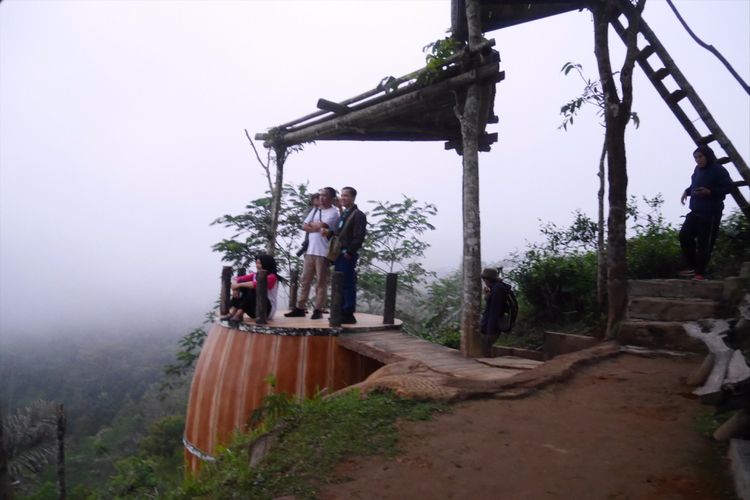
(625, 428)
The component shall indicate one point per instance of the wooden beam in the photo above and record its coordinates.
(333, 107)
(393, 107)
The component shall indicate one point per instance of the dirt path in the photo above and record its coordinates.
(622, 429)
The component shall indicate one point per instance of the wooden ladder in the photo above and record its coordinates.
(674, 98)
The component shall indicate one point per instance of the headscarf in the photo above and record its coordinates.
(707, 152)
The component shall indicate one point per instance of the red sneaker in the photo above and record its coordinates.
(686, 273)
(699, 277)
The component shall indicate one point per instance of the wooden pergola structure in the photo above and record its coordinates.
(453, 105)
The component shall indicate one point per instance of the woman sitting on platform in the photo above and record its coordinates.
(244, 291)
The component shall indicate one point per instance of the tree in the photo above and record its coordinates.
(252, 229)
(617, 114)
(477, 96)
(593, 95)
(275, 186)
(394, 244)
(29, 436)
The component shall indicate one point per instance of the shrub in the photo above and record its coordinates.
(732, 246)
(654, 254)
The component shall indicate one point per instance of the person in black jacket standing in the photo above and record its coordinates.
(494, 300)
(352, 236)
(709, 185)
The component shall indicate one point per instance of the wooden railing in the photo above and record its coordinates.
(337, 286)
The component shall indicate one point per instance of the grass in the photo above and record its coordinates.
(316, 435)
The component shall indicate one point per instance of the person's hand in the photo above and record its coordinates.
(235, 286)
(684, 197)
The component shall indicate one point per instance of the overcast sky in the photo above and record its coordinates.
(121, 137)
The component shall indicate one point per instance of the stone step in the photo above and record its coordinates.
(678, 288)
(668, 335)
(672, 309)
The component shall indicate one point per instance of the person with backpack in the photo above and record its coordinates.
(500, 310)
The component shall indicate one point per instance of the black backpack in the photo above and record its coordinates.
(510, 311)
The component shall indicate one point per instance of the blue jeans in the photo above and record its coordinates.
(348, 267)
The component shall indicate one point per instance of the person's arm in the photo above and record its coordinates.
(359, 231)
(308, 225)
(245, 281)
(685, 195)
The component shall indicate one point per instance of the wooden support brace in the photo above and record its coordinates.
(333, 107)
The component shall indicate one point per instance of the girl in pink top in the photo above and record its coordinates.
(244, 295)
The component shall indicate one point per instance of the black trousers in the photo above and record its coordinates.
(697, 238)
(246, 301)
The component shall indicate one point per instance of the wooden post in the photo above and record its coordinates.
(226, 280)
(261, 298)
(293, 288)
(389, 309)
(337, 295)
(471, 123)
(61, 494)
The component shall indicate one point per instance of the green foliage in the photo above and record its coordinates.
(251, 229)
(164, 438)
(732, 245)
(438, 53)
(654, 250)
(592, 94)
(156, 468)
(394, 244)
(313, 437)
(108, 385)
(439, 312)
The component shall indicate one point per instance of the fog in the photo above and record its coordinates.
(122, 138)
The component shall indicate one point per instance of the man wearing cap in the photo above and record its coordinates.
(494, 298)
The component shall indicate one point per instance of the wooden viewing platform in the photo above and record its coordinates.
(387, 344)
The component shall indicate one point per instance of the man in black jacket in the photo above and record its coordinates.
(494, 307)
(351, 234)
(709, 184)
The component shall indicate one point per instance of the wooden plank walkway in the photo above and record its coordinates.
(387, 344)
(391, 346)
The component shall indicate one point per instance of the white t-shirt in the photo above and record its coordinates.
(318, 244)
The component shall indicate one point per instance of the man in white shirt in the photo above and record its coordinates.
(316, 263)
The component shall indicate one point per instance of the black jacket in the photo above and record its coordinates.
(714, 177)
(352, 235)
